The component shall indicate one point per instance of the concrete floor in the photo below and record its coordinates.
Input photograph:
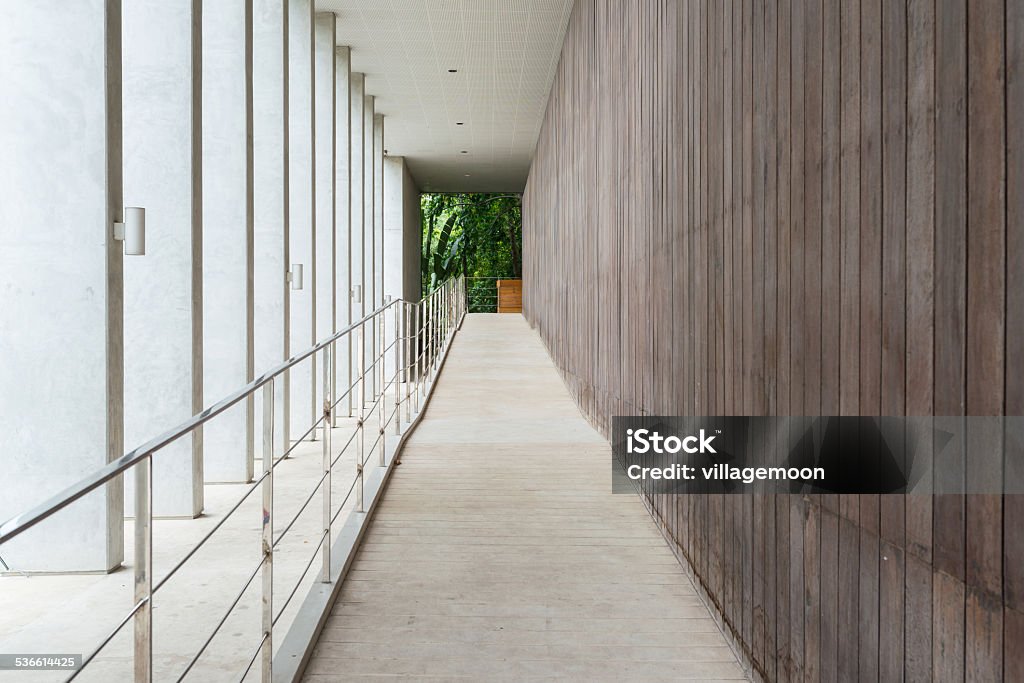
(500, 553)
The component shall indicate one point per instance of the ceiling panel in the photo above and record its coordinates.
(505, 51)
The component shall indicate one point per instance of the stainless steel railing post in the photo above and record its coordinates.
(434, 320)
(381, 375)
(348, 373)
(428, 357)
(143, 626)
(361, 438)
(334, 382)
(398, 367)
(407, 359)
(267, 541)
(417, 351)
(328, 400)
(424, 328)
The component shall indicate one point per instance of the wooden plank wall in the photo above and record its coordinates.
(802, 207)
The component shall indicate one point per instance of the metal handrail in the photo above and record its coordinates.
(26, 520)
(436, 316)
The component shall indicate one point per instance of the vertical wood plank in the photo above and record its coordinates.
(849, 322)
(986, 234)
(920, 319)
(893, 360)
(849, 201)
(950, 332)
(789, 207)
(811, 294)
(1013, 511)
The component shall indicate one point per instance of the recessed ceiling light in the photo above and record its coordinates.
(467, 175)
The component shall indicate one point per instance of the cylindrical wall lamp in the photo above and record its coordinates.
(295, 276)
(133, 231)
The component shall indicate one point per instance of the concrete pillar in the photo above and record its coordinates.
(163, 303)
(359, 307)
(378, 236)
(61, 277)
(228, 311)
(402, 232)
(324, 114)
(378, 206)
(369, 243)
(301, 203)
(270, 179)
(343, 221)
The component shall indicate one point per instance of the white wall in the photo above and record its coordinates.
(61, 276)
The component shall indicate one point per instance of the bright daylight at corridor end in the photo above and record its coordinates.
(511, 340)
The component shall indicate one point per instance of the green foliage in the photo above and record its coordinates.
(477, 235)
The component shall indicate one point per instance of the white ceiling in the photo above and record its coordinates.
(505, 51)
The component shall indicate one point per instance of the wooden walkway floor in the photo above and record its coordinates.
(499, 552)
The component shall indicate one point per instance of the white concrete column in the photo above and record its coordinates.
(401, 232)
(228, 312)
(324, 113)
(343, 222)
(359, 307)
(301, 203)
(378, 235)
(61, 277)
(378, 206)
(371, 296)
(163, 303)
(270, 179)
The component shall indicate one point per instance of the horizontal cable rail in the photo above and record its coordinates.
(416, 336)
(26, 520)
(482, 293)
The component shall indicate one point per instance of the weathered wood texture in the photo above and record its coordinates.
(802, 207)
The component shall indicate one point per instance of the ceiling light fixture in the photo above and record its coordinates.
(453, 71)
(458, 123)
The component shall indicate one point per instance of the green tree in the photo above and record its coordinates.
(478, 235)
